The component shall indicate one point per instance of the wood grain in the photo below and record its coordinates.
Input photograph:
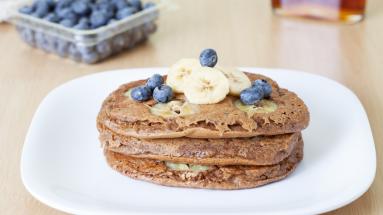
(244, 32)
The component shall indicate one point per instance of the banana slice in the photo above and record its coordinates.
(174, 109)
(185, 167)
(263, 106)
(238, 81)
(180, 72)
(206, 86)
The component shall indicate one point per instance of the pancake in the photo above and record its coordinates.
(124, 116)
(260, 150)
(216, 177)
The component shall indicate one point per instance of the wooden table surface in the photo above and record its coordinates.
(245, 33)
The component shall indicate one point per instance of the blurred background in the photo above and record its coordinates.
(244, 33)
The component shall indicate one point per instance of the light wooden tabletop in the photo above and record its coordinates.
(245, 33)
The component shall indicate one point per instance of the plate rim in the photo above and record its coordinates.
(318, 209)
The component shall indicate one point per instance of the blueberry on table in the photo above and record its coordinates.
(163, 94)
(98, 19)
(252, 95)
(266, 87)
(155, 81)
(52, 17)
(27, 9)
(208, 57)
(136, 4)
(80, 7)
(141, 93)
(125, 12)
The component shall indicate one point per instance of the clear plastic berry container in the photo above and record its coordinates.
(87, 46)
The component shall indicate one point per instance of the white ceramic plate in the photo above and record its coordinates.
(63, 165)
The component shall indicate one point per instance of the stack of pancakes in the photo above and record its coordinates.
(217, 146)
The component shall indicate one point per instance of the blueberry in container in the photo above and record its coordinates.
(87, 31)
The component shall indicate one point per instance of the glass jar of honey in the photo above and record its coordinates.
(348, 11)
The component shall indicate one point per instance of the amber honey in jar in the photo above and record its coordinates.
(349, 11)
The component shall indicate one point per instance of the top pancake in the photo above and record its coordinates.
(222, 120)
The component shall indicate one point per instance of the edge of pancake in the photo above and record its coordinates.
(262, 150)
(220, 177)
(131, 119)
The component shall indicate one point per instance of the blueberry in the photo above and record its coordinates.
(80, 7)
(42, 42)
(27, 9)
(66, 13)
(137, 35)
(104, 49)
(39, 39)
(28, 36)
(50, 3)
(120, 4)
(136, 4)
(149, 28)
(41, 9)
(155, 81)
(68, 23)
(266, 87)
(118, 43)
(52, 17)
(62, 48)
(63, 3)
(46, 46)
(141, 93)
(208, 58)
(90, 57)
(107, 8)
(83, 24)
(163, 94)
(85, 49)
(50, 43)
(125, 12)
(98, 19)
(74, 53)
(149, 5)
(252, 95)
(127, 39)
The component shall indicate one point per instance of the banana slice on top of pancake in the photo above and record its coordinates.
(238, 81)
(179, 74)
(206, 86)
(174, 109)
